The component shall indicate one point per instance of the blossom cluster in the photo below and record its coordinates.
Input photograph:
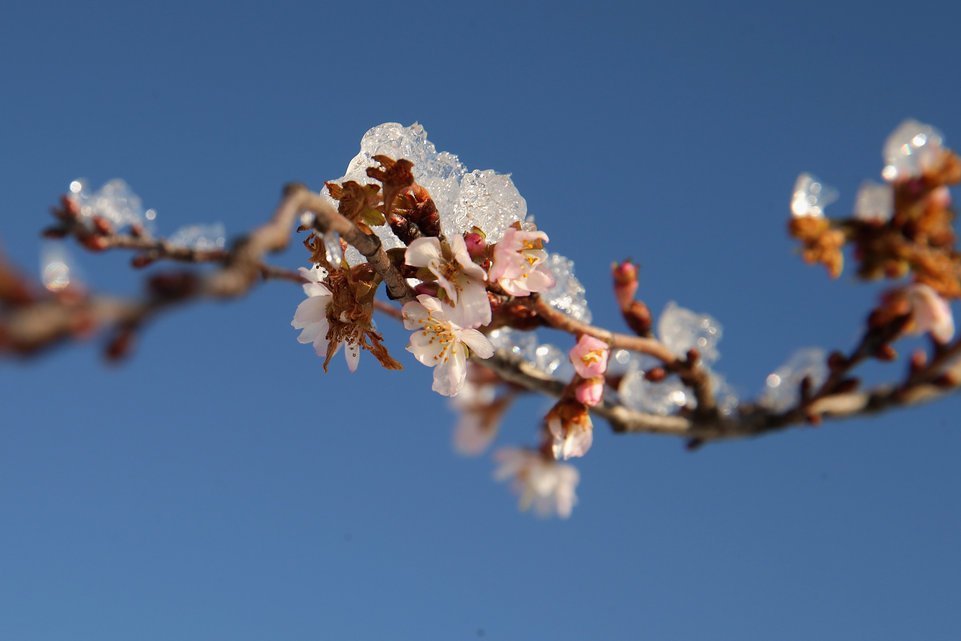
(476, 274)
(901, 227)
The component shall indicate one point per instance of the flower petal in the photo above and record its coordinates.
(478, 343)
(449, 375)
(423, 251)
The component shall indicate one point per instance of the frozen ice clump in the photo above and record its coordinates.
(782, 387)
(115, 201)
(553, 361)
(874, 201)
(200, 237)
(724, 395)
(464, 199)
(487, 200)
(681, 330)
(57, 268)
(811, 196)
(910, 149)
(665, 397)
(520, 343)
(546, 357)
(567, 294)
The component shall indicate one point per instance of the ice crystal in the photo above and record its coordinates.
(874, 201)
(464, 199)
(910, 149)
(782, 387)
(811, 196)
(200, 237)
(115, 201)
(665, 397)
(567, 294)
(681, 330)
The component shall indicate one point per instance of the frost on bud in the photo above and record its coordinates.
(810, 197)
(874, 202)
(911, 150)
(569, 424)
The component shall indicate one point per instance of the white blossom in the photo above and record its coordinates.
(311, 317)
(930, 313)
(461, 278)
(545, 485)
(442, 341)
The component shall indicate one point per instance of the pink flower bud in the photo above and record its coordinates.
(591, 391)
(476, 245)
(431, 288)
(625, 282)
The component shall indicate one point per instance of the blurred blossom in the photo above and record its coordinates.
(930, 313)
(544, 484)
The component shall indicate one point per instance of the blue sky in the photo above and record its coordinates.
(220, 486)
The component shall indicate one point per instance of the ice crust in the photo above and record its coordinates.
(910, 149)
(464, 198)
(115, 201)
(681, 330)
(782, 387)
(811, 196)
(200, 237)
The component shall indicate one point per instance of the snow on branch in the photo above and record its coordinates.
(469, 274)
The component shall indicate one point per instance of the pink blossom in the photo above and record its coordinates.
(589, 356)
(545, 485)
(591, 391)
(517, 265)
(461, 278)
(930, 313)
(442, 341)
(311, 317)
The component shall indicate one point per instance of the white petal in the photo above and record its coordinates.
(310, 310)
(449, 375)
(428, 352)
(472, 269)
(473, 308)
(352, 353)
(478, 343)
(311, 332)
(423, 251)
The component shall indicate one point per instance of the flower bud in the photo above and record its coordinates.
(625, 282)
(476, 245)
(591, 391)
(638, 318)
(102, 226)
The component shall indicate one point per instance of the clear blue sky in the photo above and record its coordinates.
(219, 486)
